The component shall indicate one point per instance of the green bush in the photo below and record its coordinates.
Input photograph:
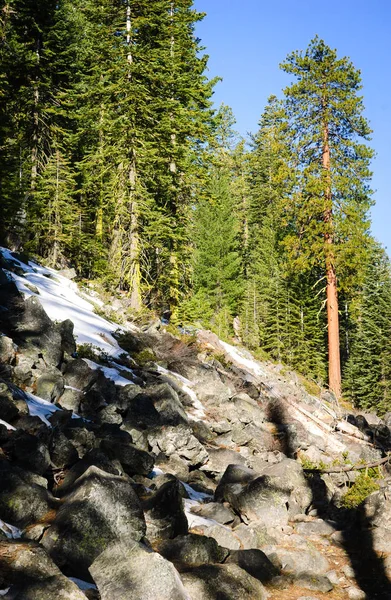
(364, 485)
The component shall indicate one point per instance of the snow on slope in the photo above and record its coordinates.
(62, 300)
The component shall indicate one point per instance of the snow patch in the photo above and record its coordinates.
(251, 365)
(12, 532)
(8, 426)
(111, 372)
(83, 585)
(61, 300)
(155, 473)
(194, 495)
(198, 412)
(42, 408)
(197, 521)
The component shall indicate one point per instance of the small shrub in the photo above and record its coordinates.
(144, 356)
(88, 351)
(364, 485)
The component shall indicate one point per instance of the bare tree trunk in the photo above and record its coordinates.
(331, 288)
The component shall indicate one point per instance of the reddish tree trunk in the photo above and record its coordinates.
(331, 291)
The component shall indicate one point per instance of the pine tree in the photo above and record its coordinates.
(326, 217)
(367, 375)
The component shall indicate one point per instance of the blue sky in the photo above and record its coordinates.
(247, 40)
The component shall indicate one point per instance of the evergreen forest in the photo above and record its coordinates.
(114, 161)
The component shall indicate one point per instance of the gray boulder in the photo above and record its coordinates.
(178, 441)
(8, 409)
(304, 560)
(129, 571)
(79, 375)
(36, 333)
(22, 501)
(167, 403)
(268, 497)
(133, 460)
(32, 575)
(101, 508)
(164, 514)
(193, 550)
(7, 350)
(216, 511)
(211, 582)
(234, 479)
(50, 385)
(255, 562)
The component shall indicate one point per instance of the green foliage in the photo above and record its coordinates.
(367, 375)
(144, 356)
(364, 485)
(88, 351)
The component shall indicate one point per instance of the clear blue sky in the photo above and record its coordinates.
(247, 40)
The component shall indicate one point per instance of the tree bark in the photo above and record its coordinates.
(334, 361)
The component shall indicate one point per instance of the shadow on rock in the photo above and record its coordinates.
(354, 526)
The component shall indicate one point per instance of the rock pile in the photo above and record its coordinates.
(178, 478)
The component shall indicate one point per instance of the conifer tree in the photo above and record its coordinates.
(326, 217)
(367, 375)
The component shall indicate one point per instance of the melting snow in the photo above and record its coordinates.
(4, 592)
(197, 521)
(83, 585)
(250, 364)
(111, 372)
(184, 385)
(193, 494)
(10, 531)
(42, 408)
(155, 472)
(61, 300)
(8, 426)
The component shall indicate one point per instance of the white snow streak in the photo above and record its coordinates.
(251, 365)
(185, 386)
(12, 532)
(61, 300)
(111, 372)
(8, 426)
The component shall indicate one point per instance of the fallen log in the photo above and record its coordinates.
(348, 468)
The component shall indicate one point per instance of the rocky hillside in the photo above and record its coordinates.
(140, 465)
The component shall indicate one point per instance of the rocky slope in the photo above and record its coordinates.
(149, 466)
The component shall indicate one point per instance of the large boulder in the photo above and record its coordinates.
(101, 508)
(32, 575)
(234, 479)
(94, 458)
(164, 512)
(178, 441)
(167, 403)
(36, 334)
(8, 409)
(23, 502)
(192, 550)
(129, 571)
(133, 460)
(50, 385)
(28, 450)
(255, 562)
(268, 498)
(79, 375)
(219, 459)
(7, 350)
(211, 582)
